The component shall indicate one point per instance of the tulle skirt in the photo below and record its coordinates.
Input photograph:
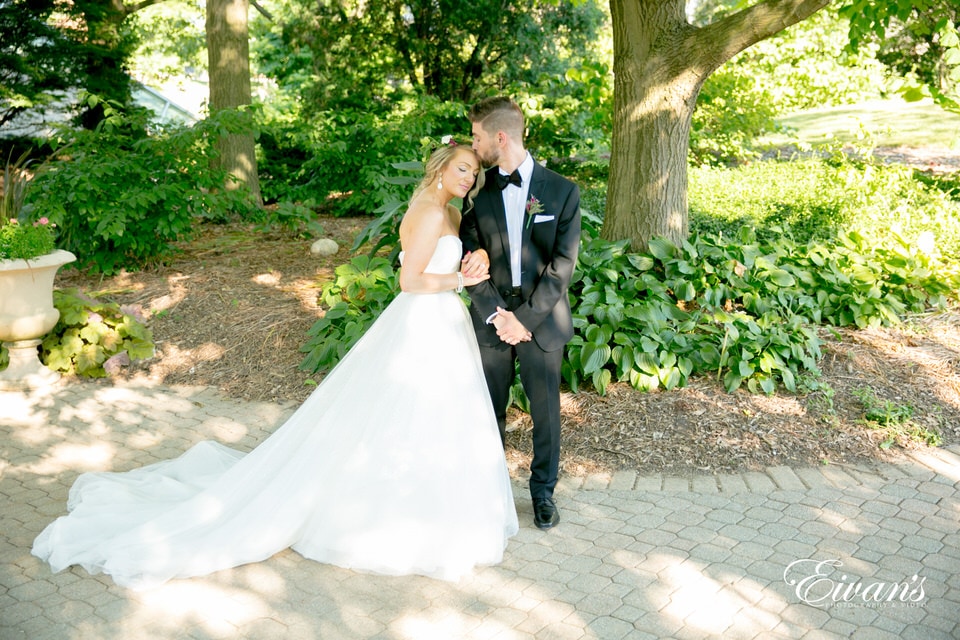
(393, 465)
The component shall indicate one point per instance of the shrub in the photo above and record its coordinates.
(733, 109)
(340, 165)
(818, 198)
(361, 290)
(655, 319)
(740, 309)
(121, 198)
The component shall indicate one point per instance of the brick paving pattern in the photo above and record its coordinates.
(830, 552)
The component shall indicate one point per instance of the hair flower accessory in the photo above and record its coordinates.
(534, 207)
(428, 145)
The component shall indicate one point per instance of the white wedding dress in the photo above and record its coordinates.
(393, 465)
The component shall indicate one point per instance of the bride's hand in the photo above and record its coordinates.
(469, 281)
(475, 264)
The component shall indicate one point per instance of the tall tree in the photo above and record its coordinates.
(355, 53)
(229, 69)
(660, 64)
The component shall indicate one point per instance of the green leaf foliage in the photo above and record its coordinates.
(121, 197)
(93, 337)
(743, 310)
(818, 198)
(359, 292)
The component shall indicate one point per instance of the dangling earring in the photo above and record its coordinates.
(440, 183)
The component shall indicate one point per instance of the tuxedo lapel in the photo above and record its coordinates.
(495, 206)
(537, 180)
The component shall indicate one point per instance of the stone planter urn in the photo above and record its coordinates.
(27, 315)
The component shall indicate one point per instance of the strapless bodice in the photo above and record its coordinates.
(446, 257)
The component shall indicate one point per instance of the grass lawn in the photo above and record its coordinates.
(893, 123)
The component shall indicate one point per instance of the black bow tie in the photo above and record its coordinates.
(513, 178)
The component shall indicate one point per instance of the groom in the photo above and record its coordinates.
(527, 221)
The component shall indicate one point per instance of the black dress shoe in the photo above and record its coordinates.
(545, 514)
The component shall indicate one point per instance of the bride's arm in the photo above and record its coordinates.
(420, 230)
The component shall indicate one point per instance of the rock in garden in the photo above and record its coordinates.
(324, 247)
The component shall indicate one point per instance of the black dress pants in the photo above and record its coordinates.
(540, 377)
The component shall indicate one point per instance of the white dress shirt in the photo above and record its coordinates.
(514, 203)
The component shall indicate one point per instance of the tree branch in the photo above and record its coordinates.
(725, 38)
(266, 14)
(143, 4)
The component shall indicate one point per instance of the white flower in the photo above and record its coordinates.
(446, 139)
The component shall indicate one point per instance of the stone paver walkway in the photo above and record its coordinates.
(789, 553)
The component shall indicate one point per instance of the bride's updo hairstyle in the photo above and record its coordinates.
(436, 164)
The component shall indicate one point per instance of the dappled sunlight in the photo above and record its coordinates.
(37, 429)
(145, 439)
(433, 625)
(111, 427)
(20, 408)
(177, 358)
(263, 578)
(669, 566)
(73, 457)
(271, 279)
(177, 293)
(215, 608)
(778, 404)
(929, 346)
(227, 430)
(307, 292)
(839, 521)
(936, 461)
(703, 603)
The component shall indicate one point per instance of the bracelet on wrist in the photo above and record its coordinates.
(459, 281)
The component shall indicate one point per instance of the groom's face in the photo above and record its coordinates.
(486, 146)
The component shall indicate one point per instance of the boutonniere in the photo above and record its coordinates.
(534, 207)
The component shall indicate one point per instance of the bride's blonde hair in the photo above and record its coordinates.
(438, 161)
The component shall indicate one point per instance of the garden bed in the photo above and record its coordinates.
(232, 309)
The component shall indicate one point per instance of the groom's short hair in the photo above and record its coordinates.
(499, 114)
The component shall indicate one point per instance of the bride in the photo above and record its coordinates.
(393, 465)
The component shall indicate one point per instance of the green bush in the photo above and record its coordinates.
(733, 109)
(740, 309)
(810, 65)
(25, 241)
(120, 198)
(340, 160)
(361, 290)
(655, 319)
(340, 165)
(817, 198)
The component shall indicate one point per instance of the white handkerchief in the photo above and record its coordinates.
(539, 218)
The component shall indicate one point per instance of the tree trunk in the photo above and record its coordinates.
(229, 53)
(660, 62)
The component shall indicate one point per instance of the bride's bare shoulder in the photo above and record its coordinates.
(423, 213)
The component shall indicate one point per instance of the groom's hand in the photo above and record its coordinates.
(475, 264)
(509, 329)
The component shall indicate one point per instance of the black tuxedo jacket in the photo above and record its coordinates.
(551, 240)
